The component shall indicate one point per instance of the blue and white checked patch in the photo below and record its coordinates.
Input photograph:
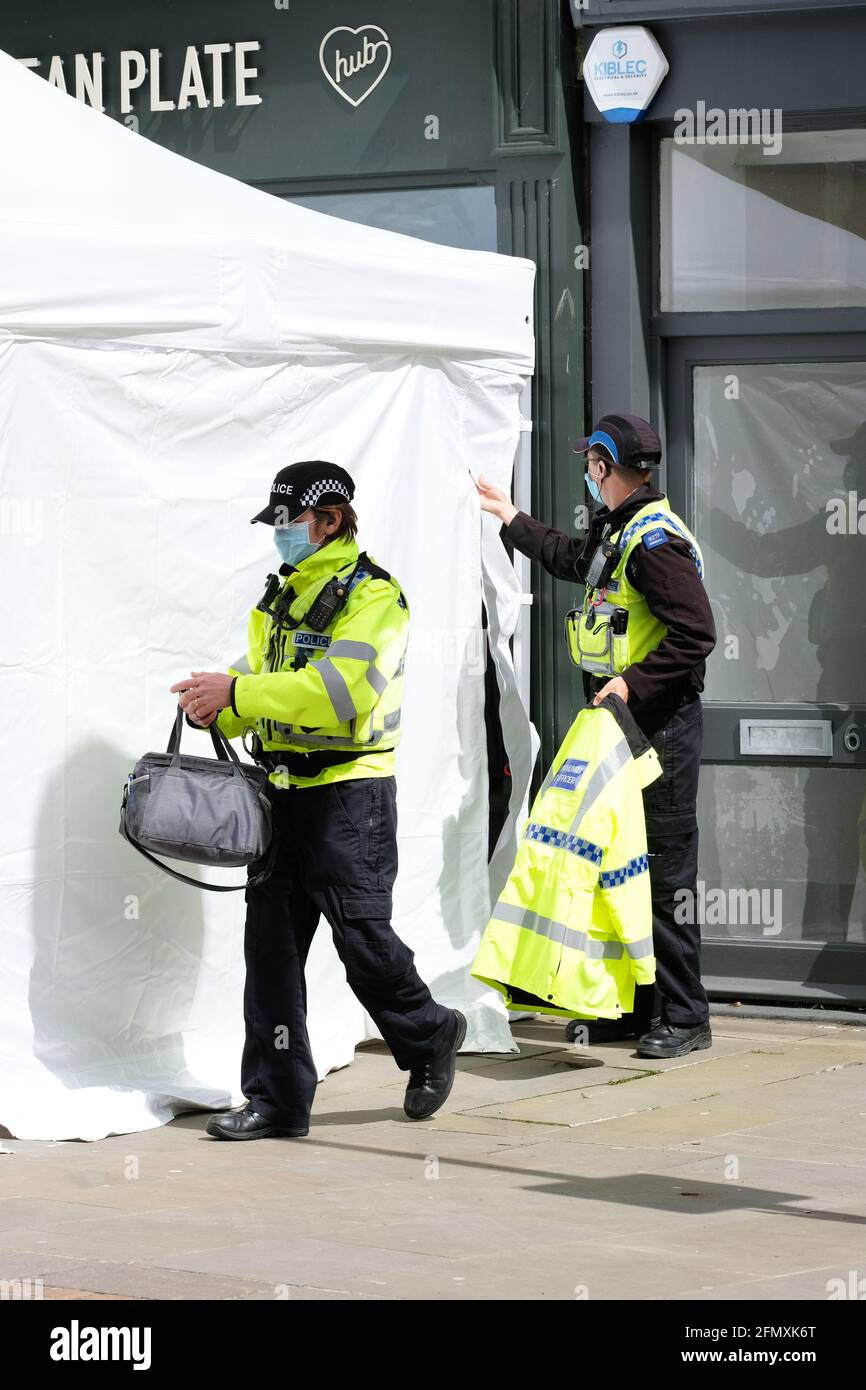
(560, 839)
(312, 639)
(569, 774)
(669, 522)
(612, 878)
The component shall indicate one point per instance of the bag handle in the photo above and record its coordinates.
(222, 747)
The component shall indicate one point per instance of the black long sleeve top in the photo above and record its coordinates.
(667, 577)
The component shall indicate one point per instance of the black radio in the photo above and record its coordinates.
(602, 565)
(328, 604)
(280, 611)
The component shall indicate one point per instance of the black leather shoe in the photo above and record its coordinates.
(248, 1124)
(430, 1082)
(603, 1030)
(667, 1041)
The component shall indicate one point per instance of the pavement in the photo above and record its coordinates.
(561, 1173)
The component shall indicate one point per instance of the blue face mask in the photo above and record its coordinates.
(293, 542)
(594, 490)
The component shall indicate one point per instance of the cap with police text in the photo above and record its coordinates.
(625, 439)
(313, 483)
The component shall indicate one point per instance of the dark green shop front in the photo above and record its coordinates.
(452, 121)
(729, 307)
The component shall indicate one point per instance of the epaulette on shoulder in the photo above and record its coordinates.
(368, 569)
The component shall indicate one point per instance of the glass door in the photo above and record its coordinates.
(767, 462)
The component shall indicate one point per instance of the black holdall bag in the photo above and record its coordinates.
(203, 810)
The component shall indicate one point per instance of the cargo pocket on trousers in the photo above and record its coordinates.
(658, 795)
(371, 946)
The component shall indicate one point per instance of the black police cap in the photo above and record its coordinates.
(311, 483)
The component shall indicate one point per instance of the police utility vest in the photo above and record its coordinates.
(571, 933)
(304, 687)
(615, 628)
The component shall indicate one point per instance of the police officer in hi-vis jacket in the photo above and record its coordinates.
(319, 689)
(643, 630)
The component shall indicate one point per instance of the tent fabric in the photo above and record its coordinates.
(169, 338)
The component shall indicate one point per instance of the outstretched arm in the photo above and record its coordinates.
(559, 554)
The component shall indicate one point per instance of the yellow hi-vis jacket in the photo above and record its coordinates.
(301, 690)
(593, 642)
(572, 931)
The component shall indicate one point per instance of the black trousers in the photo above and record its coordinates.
(670, 808)
(336, 855)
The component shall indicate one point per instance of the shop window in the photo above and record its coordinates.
(782, 854)
(464, 217)
(744, 227)
(780, 507)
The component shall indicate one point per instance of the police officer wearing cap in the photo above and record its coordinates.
(643, 631)
(318, 691)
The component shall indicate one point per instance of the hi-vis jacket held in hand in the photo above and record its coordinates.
(572, 932)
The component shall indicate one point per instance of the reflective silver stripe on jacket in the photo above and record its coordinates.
(596, 666)
(336, 688)
(571, 937)
(639, 950)
(242, 666)
(603, 773)
(316, 740)
(361, 651)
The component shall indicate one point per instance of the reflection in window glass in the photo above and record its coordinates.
(780, 473)
(741, 229)
(782, 854)
(464, 217)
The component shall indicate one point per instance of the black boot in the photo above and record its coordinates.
(668, 1041)
(431, 1081)
(248, 1124)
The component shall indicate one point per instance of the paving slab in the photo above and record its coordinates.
(745, 1080)
(137, 1280)
(808, 1285)
(558, 1172)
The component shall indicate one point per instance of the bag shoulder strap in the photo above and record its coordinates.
(197, 882)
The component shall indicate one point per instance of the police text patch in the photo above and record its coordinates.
(654, 538)
(312, 639)
(569, 774)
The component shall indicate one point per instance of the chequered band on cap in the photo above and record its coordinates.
(310, 497)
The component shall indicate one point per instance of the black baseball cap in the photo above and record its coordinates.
(626, 439)
(312, 483)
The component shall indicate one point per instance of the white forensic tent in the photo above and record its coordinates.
(169, 338)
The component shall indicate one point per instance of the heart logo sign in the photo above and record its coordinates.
(351, 57)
